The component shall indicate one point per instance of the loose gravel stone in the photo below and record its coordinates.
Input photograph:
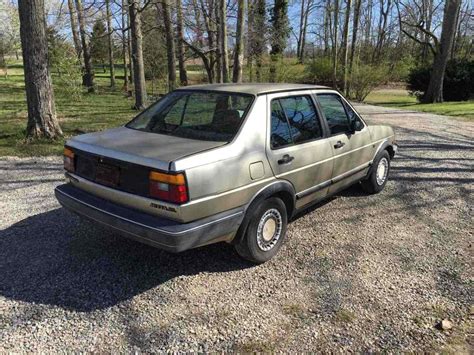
(357, 273)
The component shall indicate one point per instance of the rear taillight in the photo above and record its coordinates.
(168, 187)
(68, 159)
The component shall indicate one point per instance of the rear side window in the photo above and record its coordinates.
(281, 135)
(212, 116)
(294, 120)
(335, 113)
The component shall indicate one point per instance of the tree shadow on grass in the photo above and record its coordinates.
(55, 258)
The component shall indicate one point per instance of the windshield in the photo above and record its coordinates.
(211, 116)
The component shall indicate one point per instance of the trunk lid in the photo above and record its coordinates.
(138, 147)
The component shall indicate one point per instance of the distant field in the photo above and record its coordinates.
(400, 98)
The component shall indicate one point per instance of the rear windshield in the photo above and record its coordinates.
(210, 116)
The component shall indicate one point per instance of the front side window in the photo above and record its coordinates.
(335, 113)
(211, 116)
(294, 120)
(354, 119)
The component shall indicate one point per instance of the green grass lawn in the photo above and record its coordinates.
(93, 112)
(400, 98)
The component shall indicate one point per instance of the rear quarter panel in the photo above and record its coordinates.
(229, 176)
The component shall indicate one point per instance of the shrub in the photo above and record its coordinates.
(458, 82)
(400, 69)
(364, 79)
(319, 72)
(289, 71)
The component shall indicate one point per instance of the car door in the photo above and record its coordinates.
(349, 139)
(297, 148)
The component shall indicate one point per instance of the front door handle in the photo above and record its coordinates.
(339, 144)
(286, 159)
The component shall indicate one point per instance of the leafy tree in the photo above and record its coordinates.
(99, 43)
(64, 61)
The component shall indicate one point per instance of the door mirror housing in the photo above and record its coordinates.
(356, 125)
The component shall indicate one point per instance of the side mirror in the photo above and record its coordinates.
(356, 125)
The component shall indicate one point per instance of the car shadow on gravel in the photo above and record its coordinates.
(55, 258)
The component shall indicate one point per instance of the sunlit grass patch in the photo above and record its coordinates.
(400, 98)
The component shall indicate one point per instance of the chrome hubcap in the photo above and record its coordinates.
(269, 229)
(382, 171)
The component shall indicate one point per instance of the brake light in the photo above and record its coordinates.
(168, 187)
(68, 159)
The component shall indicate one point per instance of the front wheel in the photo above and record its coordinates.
(265, 232)
(378, 176)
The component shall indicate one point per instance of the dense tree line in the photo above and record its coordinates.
(343, 43)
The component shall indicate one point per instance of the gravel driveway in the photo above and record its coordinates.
(364, 273)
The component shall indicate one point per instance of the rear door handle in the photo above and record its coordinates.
(286, 159)
(339, 144)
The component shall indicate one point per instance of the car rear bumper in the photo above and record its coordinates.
(159, 232)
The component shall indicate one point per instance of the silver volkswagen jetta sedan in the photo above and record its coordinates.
(224, 162)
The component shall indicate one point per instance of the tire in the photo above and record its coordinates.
(378, 176)
(265, 232)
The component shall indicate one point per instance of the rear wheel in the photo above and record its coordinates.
(378, 177)
(265, 232)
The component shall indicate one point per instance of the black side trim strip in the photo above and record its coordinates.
(313, 189)
(327, 183)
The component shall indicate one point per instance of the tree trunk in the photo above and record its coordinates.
(88, 76)
(434, 93)
(355, 28)
(217, 42)
(75, 34)
(305, 27)
(3, 62)
(457, 35)
(259, 40)
(183, 75)
(42, 121)
(334, 47)
(368, 22)
(209, 60)
(345, 42)
(279, 35)
(223, 40)
(170, 46)
(382, 30)
(300, 31)
(198, 23)
(250, 38)
(427, 16)
(124, 46)
(111, 44)
(239, 44)
(137, 55)
(129, 47)
(327, 26)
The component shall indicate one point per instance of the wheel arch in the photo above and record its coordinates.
(385, 145)
(282, 189)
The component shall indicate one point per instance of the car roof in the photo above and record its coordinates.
(253, 88)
